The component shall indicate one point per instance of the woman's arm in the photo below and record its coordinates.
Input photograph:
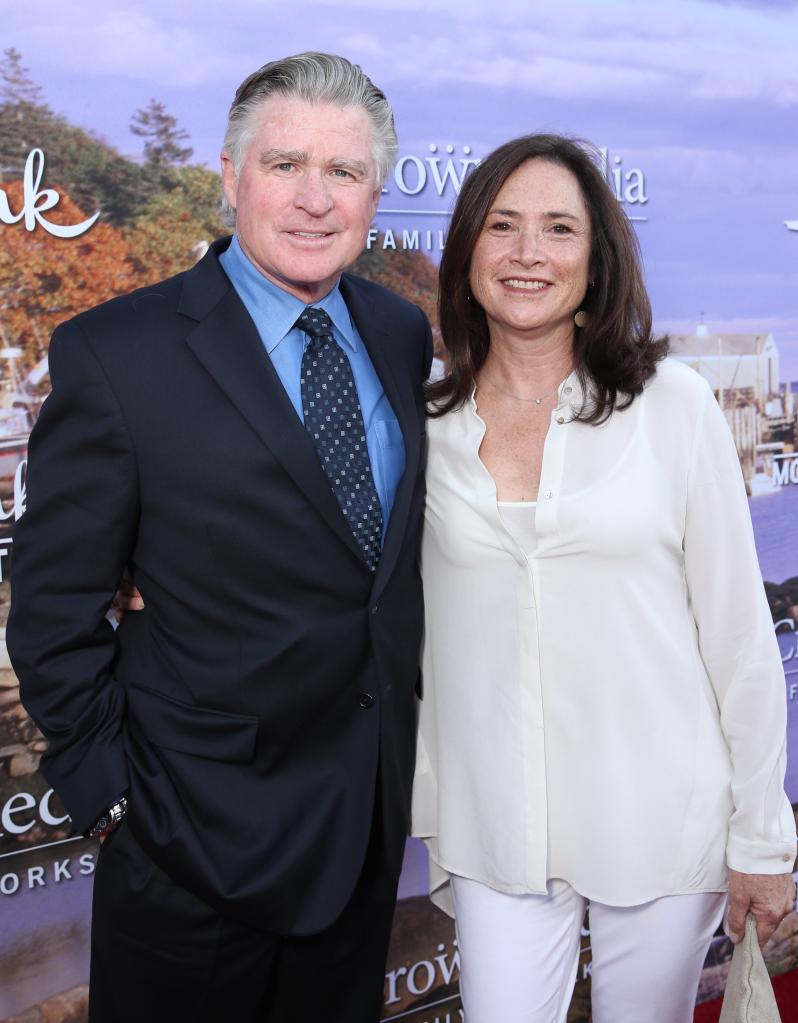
(741, 655)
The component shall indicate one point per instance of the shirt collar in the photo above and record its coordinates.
(262, 294)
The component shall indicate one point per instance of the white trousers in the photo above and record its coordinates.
(519, 954)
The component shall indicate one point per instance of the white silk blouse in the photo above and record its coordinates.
(609, 707)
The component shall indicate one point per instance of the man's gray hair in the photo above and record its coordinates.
(314, 78)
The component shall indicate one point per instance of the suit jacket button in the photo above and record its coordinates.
(365, 700)
(375, 609)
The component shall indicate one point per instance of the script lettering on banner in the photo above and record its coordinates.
(37, 200)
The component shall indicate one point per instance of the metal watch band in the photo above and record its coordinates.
(110, 820)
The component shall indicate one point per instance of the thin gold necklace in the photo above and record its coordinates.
(527, 401)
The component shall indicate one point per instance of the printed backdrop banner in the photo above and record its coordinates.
(111, 118)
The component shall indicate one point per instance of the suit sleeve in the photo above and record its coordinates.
(70, 548)
(739, 649)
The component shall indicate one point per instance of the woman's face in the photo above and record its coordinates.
(530, 265)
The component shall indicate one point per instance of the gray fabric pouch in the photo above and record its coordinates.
(749, 995)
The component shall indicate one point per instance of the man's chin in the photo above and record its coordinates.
(309, 285)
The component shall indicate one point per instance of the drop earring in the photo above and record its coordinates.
(580, 318)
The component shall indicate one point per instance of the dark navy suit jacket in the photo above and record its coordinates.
(251, 707)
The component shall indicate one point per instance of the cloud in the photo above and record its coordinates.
(609, 50)
(702, 167)
(101, 40)
(778, 4)
(603, 57)
(591, 49)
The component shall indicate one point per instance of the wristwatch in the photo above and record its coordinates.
(109, 820)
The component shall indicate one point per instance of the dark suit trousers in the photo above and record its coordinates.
(161, 955)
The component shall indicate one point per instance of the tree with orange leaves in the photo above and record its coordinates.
(44, 279)
(410, 274)
(177, 224)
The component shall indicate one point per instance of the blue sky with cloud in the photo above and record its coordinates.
(702, 96)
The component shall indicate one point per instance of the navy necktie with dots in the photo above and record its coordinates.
(334, 420)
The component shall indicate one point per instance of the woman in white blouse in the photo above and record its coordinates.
(604, 713)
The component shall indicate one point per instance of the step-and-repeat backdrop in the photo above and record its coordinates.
(111, 117)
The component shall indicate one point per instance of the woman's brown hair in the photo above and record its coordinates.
(614, 351)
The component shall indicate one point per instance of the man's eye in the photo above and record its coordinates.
(339, 172)
(285, 166)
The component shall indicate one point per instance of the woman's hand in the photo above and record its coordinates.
(767, 897)
(127, 598)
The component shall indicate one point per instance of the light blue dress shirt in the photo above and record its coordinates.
(274, 313)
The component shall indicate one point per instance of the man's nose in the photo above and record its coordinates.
(313, 194)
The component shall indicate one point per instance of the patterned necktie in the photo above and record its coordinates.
(335, 422)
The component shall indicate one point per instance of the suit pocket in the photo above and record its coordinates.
(187, 728)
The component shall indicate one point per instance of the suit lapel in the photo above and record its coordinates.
(228, 345)
(386, 354)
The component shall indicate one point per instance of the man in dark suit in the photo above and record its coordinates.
(247, 437)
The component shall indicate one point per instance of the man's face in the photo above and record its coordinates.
(306, 193)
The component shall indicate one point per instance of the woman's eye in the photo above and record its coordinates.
(501, 226)
(561, 228)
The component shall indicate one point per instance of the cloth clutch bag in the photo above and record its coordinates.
(749, 995)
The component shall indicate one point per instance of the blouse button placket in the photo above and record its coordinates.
(551, 475)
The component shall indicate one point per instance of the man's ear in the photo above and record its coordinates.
(229, 180)
(375, 199)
